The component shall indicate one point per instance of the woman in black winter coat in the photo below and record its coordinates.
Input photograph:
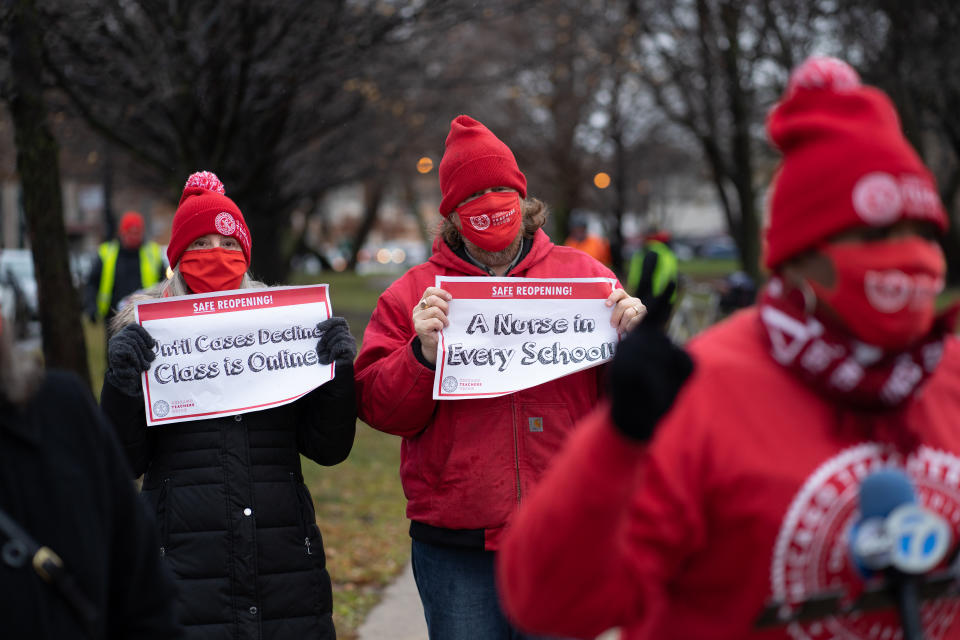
(65, 485)
(236, 522)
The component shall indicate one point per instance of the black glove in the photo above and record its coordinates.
(647, 373)
(658, 306)
(336, 344)
(129, 353)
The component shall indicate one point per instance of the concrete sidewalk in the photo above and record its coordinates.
(399, 616)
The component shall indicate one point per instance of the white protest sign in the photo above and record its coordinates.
(232, 352)
(508, 334)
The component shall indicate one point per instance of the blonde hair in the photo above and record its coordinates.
(20, 374)
(170, 288)
(535, 214)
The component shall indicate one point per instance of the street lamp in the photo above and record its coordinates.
(424, 164)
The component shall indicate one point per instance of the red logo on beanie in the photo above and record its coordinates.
(225, 224)
(480, 222)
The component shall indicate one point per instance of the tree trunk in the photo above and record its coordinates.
(749, 233)
(372, 195)
(109, 218)
(619, 199)
(37, 163)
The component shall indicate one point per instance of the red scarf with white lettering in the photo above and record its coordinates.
(869, 386)
(856, 375)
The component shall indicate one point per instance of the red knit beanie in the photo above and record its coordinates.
(475, 160)
(129, 220)
(845, 162)
(205, 209)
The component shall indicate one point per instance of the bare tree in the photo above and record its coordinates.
(714, 67)
(263, 93)
(37, 164)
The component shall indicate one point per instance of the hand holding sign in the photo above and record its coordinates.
(628, 312)
(129, 354)
(429, 319)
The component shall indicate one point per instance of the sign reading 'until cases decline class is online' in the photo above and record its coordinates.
(232, 352)
(508, 334)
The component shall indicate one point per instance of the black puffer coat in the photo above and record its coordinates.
(237, 524)
(63, 480)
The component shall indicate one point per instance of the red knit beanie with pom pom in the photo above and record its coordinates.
(845, 162)
(205, 209)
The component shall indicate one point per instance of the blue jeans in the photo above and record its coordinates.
(459, 594)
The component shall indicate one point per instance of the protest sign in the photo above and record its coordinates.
(508, 334)
(232, 352)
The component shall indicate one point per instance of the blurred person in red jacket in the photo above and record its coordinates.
(746, 492)
(467, 464)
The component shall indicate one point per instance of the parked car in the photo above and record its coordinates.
(20, 290)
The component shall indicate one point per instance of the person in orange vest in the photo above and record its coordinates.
(592, 245)
(123, 265)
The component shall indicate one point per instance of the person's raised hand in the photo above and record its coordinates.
(429, 318)
(336, 344)
(646, 375)
(129, 354)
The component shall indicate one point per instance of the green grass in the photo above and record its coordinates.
(704, 268)
(360, 504)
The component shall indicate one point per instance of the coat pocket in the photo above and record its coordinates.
(163, 516)
(303, 508)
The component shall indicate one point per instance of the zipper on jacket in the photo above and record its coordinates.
(295, 485)
(164, 519)
(516, 443)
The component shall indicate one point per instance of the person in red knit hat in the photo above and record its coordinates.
(237, 524)
(466, 464)
(725, 509)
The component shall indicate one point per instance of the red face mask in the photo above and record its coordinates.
(885, 291)
(209, 270)
(491, 221)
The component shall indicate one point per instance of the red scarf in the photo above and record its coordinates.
(836, 365)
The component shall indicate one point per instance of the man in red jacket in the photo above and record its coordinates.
(745, 495)
(467, 464)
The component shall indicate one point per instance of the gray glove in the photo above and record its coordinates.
(336, 344)
(129, 353)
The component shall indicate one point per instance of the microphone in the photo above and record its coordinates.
(899, 537)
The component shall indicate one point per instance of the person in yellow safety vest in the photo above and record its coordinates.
(653, 276)
(123, 266)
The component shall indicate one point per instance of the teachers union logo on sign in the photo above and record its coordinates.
(225, 223)
(449, 384)
(811, 555)
(161, 408)
(480, 222)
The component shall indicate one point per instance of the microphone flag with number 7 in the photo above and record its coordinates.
(232, 352)
(508, 334)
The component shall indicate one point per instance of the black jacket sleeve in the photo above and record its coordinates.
(327, 419)
(126, 414)
(93, 288)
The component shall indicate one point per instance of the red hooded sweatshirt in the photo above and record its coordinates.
(745, 495)
(466, 465)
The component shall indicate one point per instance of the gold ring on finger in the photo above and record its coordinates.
(423, 304)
